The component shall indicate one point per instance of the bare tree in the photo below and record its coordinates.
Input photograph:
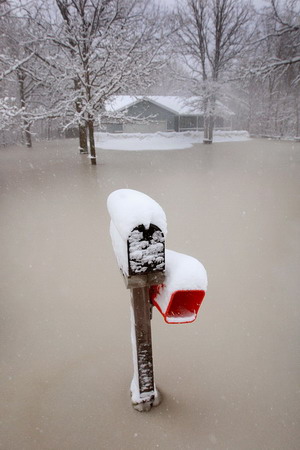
(23, 70)
(13, 60)
(269, 85)
(212, 35)
(278, 26)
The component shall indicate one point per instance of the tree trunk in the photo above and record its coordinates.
(26, 125)
(211, 116)
(208, 123)
(27, 134)
(206, 139)
(211, 126)
(83, 145)
(297, 127)
(92, 140)
(205, 119)
(48, 125)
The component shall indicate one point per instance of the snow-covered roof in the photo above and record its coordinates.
(182, 106)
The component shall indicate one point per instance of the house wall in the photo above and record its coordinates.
(149, 127)
(114, 128)
(190, 123)
(159, 119)
(154, 113)
(219, 122)
(197, 123)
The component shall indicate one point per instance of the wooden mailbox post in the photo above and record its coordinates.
(146, 263)
(138, 230)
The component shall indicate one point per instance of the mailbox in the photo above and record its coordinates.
(179, 298)
(173, 282)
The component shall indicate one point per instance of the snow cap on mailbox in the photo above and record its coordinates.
(129, 209)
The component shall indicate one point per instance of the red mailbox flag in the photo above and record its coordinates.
(183, 306)
(183, 291)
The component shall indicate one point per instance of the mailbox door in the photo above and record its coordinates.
(146, 250)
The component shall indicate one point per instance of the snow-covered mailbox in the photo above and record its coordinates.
(173, 282)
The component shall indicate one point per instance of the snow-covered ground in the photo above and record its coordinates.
(162, 141)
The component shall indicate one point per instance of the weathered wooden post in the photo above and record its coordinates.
(139, 245)
(138, 229)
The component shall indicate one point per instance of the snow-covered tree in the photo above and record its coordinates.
(105, 47)
(212, 34)
(281, 36)
(67, 57)
(269, 85)
(23, 70)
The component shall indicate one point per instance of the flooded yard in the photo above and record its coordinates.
(230, 380)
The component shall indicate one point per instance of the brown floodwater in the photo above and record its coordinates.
(230, 380)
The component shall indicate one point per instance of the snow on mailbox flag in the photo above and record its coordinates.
(181, 295)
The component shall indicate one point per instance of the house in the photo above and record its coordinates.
(150, 114)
